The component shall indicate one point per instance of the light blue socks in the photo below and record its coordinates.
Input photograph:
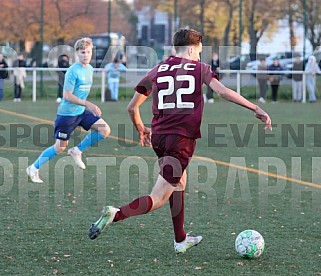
(91, 139)
(45, 156)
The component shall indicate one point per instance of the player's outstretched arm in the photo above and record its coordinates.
(133, 110)
(234, 97)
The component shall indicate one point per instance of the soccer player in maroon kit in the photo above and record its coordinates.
(176, 88)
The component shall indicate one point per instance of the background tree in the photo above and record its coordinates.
(260, 16)
(292, 12)
(201, 15)
(291, 7)
(64, 21)
(313, 21)
(123, 19)
(18, 21)
(130, 20)
(231, 6)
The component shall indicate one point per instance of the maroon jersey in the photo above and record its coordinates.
(176, 87)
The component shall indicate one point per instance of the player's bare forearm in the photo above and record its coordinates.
(231, 95)
(144, 132)
(134, 115)
(133, 110)
(70, 97)
(234, 97)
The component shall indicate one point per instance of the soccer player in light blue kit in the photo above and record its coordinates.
(73, 111)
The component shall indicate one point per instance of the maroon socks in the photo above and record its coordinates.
(176, 203)
(138, 206)
(144, 204)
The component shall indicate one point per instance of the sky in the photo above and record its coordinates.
(280, 41)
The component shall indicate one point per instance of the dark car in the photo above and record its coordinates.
(239, 62)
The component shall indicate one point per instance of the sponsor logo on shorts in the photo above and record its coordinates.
(62, 135)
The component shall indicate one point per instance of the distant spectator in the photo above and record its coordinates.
(215, 66)
(297, 80)
(63, 62)
(262, 80)
(311, 69)
(19, 74)
(113, 70)
(275, 79)
(3, 74)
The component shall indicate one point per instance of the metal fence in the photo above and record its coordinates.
(255, 72)
(35, 71)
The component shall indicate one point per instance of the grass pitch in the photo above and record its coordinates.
(240, 178)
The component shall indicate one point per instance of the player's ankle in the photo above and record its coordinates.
(76, 150)
(33, 167)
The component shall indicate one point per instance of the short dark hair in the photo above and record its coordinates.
(186, 37)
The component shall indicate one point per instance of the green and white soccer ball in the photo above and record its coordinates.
(249, 244)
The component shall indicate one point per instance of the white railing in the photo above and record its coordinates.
(239, 72)
(102, 71)
(35, 70)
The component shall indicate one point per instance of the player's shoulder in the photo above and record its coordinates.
(152, 72)
(204, 65)
(74, 67)
(70, 70)
(90, 67)
(77, 67)
(205, 68)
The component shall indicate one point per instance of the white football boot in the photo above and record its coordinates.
(190, 241)
(75, 153)
(33, 174)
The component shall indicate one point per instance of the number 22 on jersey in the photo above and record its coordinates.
(181, 91)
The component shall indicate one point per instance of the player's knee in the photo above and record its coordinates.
(105, 131)
(158, 202)
(60, 149)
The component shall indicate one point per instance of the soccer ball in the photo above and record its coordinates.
(249, 244)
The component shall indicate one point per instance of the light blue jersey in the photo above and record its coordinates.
(79, 80)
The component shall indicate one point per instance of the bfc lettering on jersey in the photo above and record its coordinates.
(185, 66)
(176, 90)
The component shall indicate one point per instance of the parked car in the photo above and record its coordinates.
(240, 62)
(284, 58)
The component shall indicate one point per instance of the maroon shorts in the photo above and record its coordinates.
(174, 153)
